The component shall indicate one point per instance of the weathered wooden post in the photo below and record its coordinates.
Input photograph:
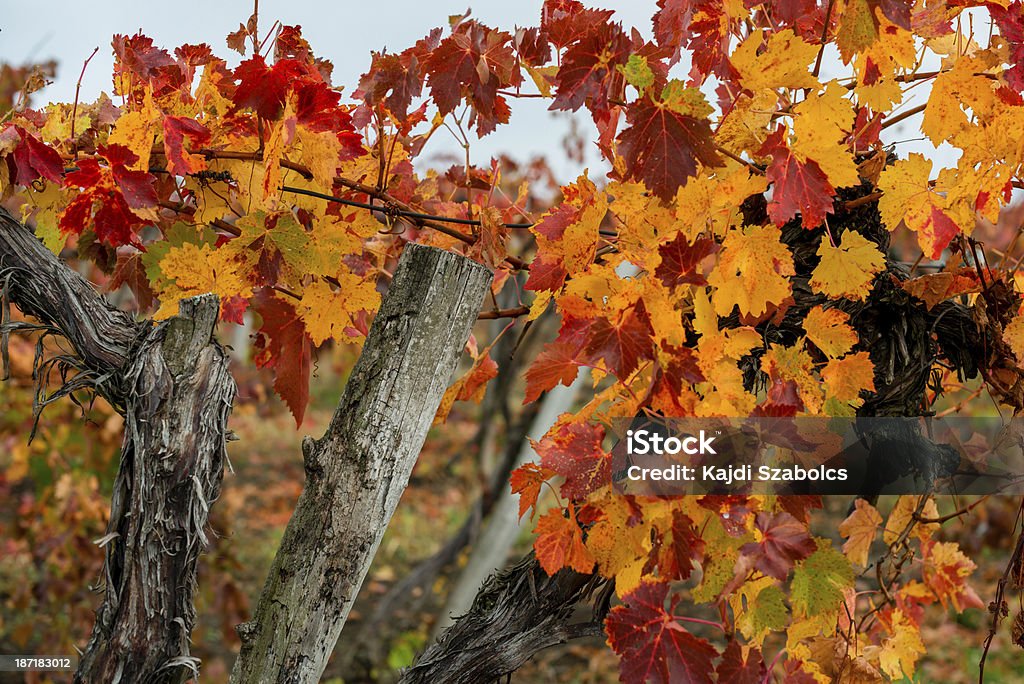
(356, 472)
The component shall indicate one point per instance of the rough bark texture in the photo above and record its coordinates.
(172, 463)
(357, 471)
(171, 383)
(43, 287)
(516, 614)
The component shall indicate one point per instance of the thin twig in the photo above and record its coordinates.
(74, 110)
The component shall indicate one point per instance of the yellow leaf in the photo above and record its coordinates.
(783, 63)
(752, 272)
(849, 269)
(845, 378)
(319, 152)
(958, 98)
(858, 29)
(745, 126)
(902, 515)
(328, 312)
(860, 529)
(830, 331)
(902, 649)
(907, 197)
(1013, 335)
(878, 65)
(821, 123)
(191, 270)
(138, 130)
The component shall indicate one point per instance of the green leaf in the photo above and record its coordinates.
(819, 581)
(638, 73)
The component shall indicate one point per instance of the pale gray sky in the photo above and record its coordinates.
(344, 32)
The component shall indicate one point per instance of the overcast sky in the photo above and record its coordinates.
(344, 31)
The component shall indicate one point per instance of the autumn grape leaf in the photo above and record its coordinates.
(526, 481)
(624, 342)
(474, 62)
(559, 543)
(783, 62)
(328, 311)
(741, 664)
(902, 516)
(945, 572)
(567, 236)
(901, 650)
(573, 450)
(908, 197)
(666, 139)
(752, 272)
(283, 345)
(35, 159)
(819, 581)
(680, 259)
(1010, 20)
(938, 287)
(860, 528)
(179, 160)
(847, 270)
(847, 377)
(264, 89)
(556, 363)
(588, 71)
(1013, 335)
(113, 200)
(830, 331)
(272, 245)
(678, 547)
(652, 645)
(783, 541)
(799, 185)
(765, 611)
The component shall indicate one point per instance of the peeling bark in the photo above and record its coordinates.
(357, 471)
(517, 613)
(171, 383)
(172, 463)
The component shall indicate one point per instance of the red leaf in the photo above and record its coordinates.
(622, 344)
(671, 22)
(283, 345)
(798, 186)
(676, 554)
(557, 363)
(800, 505)
(736, 669)
(784, 541)
(559, 543)
(176, 129)
(566, 21)
(574, 452)
(545, 275)
(710, 43)
(35, 159)
(136, 186)
(264, 89)
(474, 62)
(1011, 26)
(588, 75)
(651, 643)
(526, 481)
(114, 221)
(662, 147)
(393, 81)
(679, 260)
